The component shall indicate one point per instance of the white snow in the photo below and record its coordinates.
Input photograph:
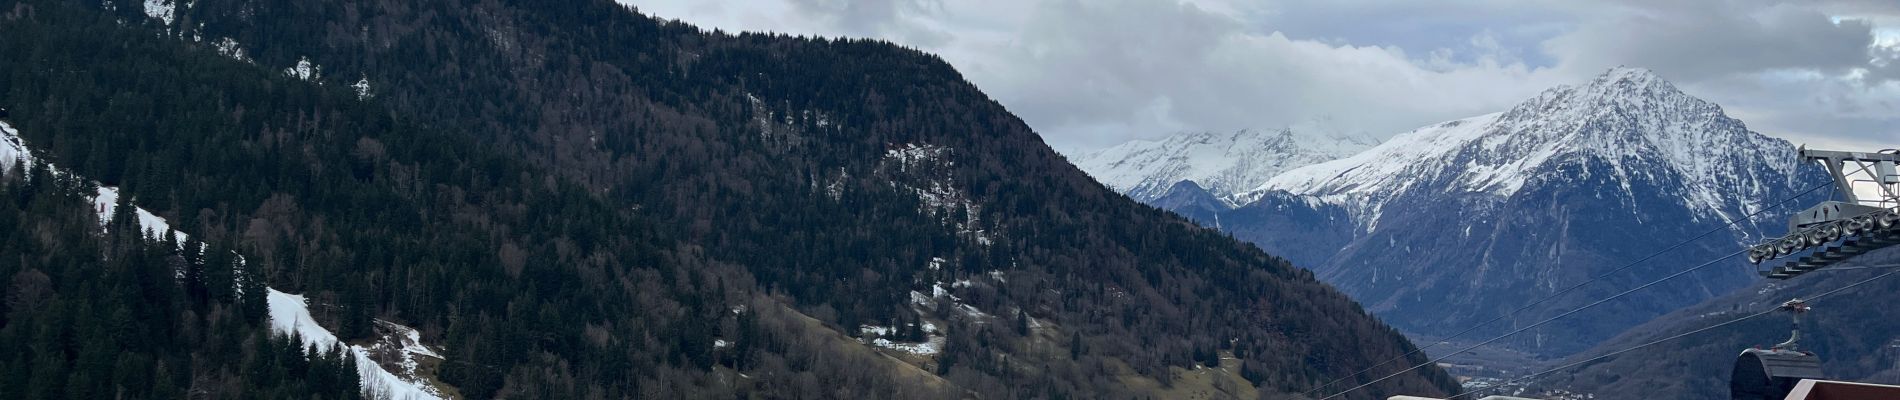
(104, 202)
(407, 345)
(1224, 164)
(972, 312)
(938, 291)
(163, 10)
(362, 88)
(937, 191)
(891, 330)
(107, 201)
(230, 48)
(912, 155)
(982, 238)
(835, 189)
(878, 330)
(305, 70)
(919, 298)
(289, 314)
(1636, 123)
(11, 148)
(931, 346)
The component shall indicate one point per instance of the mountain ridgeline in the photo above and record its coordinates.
(1457, 223)
(1222, 165)
(578, 201)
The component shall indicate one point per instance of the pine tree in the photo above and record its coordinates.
(254, 302)
(191, 251)
(915, 333)
(220, 276)
(349, 382)
(1075, 345)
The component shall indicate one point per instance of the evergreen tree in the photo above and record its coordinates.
(194, 277)
(1075, 345)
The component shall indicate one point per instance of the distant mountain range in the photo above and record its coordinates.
(1221, 164)
(1458, 222)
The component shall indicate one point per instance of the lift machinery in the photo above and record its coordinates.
(1861, 218)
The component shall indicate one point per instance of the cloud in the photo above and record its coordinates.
(1701, 40)
(1093, 73)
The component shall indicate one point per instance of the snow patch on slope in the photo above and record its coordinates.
(925, 169)
(11, 148)
(362, 88)
(107, 201)
(305, 70)
(104, 202)
(289, 314)
(912, 155)
(229, 47)
(404, 345)
(931, 346)
(163, 10)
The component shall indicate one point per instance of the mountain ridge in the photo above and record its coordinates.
(1551, 192)
(1456, 222)
(1503, 151)
(631, 224)
(1222, 164)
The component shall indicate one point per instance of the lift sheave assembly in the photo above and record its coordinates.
(1857, 221)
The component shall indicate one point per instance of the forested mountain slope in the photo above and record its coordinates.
(1851, 331)
(106, 308)
(577, 201)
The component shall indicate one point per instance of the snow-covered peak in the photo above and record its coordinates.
(1619, 92)
(1628, 119)
(1222, 163)
(1630, 77)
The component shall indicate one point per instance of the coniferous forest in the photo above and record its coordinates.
(574, 200)
(114, 311)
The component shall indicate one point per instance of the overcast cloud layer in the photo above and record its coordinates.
(1088, 74)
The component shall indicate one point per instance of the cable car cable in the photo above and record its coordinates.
(1545, 321)
(1679, 336)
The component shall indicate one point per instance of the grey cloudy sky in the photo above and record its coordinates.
(1088, 74)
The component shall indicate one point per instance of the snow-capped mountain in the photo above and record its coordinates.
(1458, 222)
(1637, 124)
(1223, 164)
